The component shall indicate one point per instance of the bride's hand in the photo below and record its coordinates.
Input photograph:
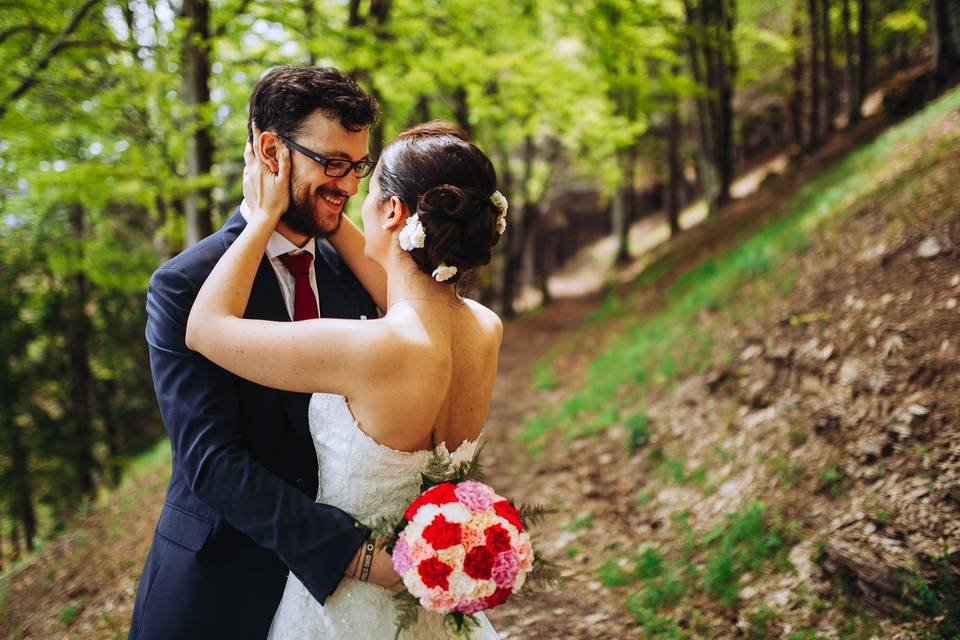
(267, 193)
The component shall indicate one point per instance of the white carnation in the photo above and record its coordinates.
(425, 514)
(455, 512)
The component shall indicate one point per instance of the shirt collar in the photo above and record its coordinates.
(277, 245)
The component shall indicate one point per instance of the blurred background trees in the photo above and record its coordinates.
(122, 126)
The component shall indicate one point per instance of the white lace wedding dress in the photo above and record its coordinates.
(369, 481)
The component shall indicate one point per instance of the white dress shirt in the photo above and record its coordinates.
(278, 246)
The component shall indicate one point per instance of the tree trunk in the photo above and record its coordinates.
(309, 12)
(673, 167)
(513, 240)
(461, 109)
(814, 127)
(698, 59)
(21, 492)
(796, 97)
(864, 57)
(78, 332)
(727, 72)
(15, 548)
(624, 204)
(196, 94)
(111, 432)
(945, 40)
(422, 109)
(848, 68)
(829, 73)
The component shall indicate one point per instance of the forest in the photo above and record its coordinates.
(122, 127)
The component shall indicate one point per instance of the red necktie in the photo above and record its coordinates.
(304, 302)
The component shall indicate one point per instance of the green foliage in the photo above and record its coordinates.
(832, 480)
(760, 621)
(70, 614)
(710, 564)
(637, 425)
(936, 599)
(744, 542)
(582, 521)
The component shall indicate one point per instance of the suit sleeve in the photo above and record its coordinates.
(199, 405)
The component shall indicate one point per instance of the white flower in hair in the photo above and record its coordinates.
(443, 273)
(412, 236)
(500, 202)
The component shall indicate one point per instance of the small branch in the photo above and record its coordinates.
(59, 43)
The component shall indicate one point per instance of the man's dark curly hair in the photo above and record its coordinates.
(286, 96)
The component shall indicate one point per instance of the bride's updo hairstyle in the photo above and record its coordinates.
(443, 178)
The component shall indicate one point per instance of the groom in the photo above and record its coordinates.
(240, 511)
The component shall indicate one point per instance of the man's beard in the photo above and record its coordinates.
(300, 216)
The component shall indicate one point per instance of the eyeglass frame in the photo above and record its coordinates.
(325, 162)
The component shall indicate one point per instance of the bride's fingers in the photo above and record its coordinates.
(248, 157)
(283, 170)
(256, 142)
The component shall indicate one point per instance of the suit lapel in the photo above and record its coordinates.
(336, 300)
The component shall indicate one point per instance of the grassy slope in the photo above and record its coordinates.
(689, 571)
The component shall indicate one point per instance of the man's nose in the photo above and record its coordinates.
(349, 184)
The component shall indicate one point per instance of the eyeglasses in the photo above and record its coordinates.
(333, 167)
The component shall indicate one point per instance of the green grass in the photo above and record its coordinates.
(751, 539)
(637, 425)
(937, 600)
(661, 347)
(70, 614)
(582, 521)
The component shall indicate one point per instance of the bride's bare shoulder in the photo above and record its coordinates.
(488, 320)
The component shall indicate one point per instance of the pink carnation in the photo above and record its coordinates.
(475, 496)
(505, 568)
(525, 551)
(439, 600)
(401, 557)
(420, 550)
(472, 606)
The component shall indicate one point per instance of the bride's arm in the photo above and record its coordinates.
(312, 355)
(348, 241)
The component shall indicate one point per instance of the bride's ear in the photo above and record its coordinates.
(397, 214)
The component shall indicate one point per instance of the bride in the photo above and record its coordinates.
(386, 392)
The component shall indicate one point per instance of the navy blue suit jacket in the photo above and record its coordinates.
(239, 510)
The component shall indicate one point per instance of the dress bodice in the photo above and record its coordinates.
(366, 479)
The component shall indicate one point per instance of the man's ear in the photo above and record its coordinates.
(268, 147)
(397, 214)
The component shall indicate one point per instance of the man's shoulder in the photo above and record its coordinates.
(196, 262)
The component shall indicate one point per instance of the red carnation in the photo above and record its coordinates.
(498, 597)
(498, 540)
(478, 563)
(506, 510)
(438, 494)
(441, 533)
(434, 573)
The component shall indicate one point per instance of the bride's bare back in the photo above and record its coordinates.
(437, 388)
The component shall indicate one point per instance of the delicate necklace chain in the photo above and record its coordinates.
(446, 304)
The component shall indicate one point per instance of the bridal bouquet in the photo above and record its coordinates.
(461, 548)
